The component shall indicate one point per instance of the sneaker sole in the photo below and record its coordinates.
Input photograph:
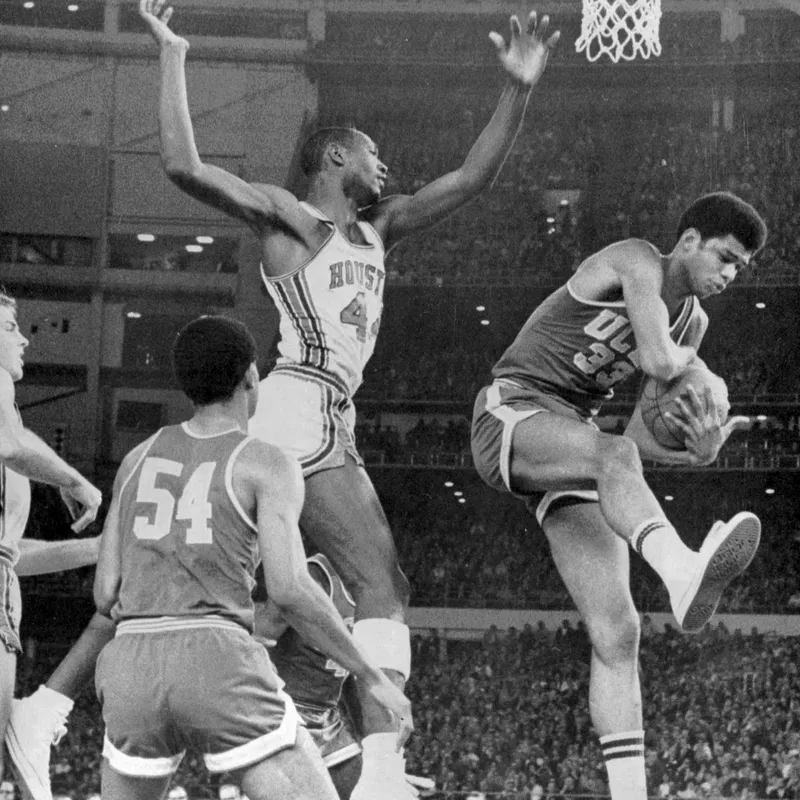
(29, 783)
(731, 558)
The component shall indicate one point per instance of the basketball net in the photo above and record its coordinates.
(620, 29)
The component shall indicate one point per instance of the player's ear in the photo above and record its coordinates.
(251, 377)
(336, 153)
(690, 239)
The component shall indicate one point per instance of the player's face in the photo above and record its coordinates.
(12, 344)
(367, 170)
(715, 263)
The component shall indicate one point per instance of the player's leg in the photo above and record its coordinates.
(594, 565)
(344, 517)
(296, 773)
(39, 721)
(345, 776)
(8, 671)
(552, 452)
(116, 786)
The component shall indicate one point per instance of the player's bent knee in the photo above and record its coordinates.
(386, 642)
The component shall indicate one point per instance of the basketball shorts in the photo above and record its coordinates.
(332, 732)
(309, 414)
(170, 683)
(10, 604)
(499, 408)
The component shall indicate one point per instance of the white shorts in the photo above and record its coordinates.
(309, 414)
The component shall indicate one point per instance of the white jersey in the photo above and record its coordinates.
(330, 307)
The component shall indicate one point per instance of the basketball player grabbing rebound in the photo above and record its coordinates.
(24, 457)
(322, 263)
(627, 309)
(194, 509)
(316, 682)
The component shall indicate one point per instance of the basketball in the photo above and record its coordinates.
(658, 398)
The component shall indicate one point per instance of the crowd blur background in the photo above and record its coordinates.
(607, 151)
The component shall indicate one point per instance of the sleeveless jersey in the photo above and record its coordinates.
(188, 549)
(15, 506)
(330, 308)
(579, 349)
(313, 679)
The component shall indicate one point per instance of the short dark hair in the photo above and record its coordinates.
(210, 358)
(312, 154)
(723, 213)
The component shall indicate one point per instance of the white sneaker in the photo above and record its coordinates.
(725, 553)
(34, 726)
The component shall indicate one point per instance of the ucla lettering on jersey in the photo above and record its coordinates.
(330, 308)
(579, 349)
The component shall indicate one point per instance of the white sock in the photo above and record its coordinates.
(53, 699)
(624, 757)
(380, 753)
(658, 543)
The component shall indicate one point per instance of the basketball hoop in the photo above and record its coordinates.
(620, 29)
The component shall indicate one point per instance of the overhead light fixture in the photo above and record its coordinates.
(28, 4)
(145, 237)
(769, 490)
(669, 498)
(5, 107)
(461, 500)
(72, 7)
(480, 308)
(448, 484)
(133, 315)
(484, 322)
(458, 494)
(761, 305)
(204, 239)
(194, 248)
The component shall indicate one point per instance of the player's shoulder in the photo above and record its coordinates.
(258, 458)
(631, 253)
(132, 458)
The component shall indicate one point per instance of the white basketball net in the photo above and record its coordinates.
(620, 29)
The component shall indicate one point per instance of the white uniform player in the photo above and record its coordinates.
(330, 312)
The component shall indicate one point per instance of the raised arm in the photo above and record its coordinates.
(524, 60)
(638, 266)
(209, 184)
(277, 483)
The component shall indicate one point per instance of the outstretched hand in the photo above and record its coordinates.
(158, 23)
(705, 424)
(525, 56)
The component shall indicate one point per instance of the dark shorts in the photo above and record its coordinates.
(166, 686)
(499, 408)
(10, 608)
(332, 732)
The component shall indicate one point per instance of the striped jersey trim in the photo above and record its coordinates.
(170, 624)
(311, 373)
(229, 482)
(298, 305)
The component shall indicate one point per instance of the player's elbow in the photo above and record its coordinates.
(180, 169)
(660, 367)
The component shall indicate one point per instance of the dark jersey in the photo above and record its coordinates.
(313, 679)
(579, 349)
(188, 549)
